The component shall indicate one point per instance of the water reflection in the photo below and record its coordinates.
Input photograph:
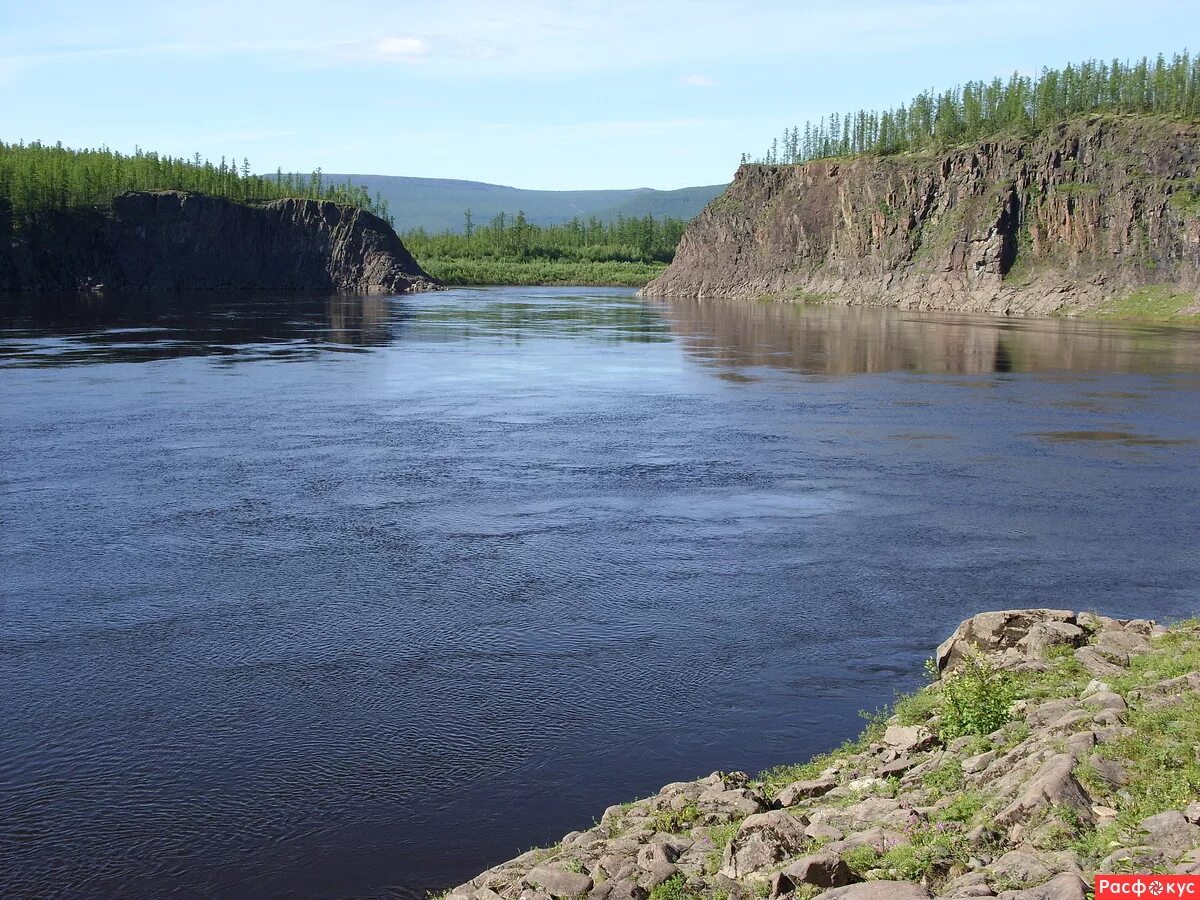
(63, 330)
(838, 340)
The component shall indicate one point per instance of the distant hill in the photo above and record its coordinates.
(437, 204)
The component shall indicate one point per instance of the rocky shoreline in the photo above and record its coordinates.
(1093, 766)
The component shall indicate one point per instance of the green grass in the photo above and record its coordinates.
(1156, 303)
(466, 271)
(1077, 189)
(675, 820)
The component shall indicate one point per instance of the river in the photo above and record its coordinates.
(355, 597)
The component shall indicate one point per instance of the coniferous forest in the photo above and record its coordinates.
(511, 250)
(980, 109)
(36, 177)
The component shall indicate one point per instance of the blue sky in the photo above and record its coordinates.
(535, 94)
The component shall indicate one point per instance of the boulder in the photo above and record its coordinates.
(878, 890)
(1053, 785)
(804, 790)
(559, 883)
(908, 738)
(1067, 886)
(763, 840)
(1022, 867)
(992, 632)
(1171, 831)
(1044, 635)
(823, 869)
(623, 889)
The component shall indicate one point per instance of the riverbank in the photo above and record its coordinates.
(476, 272)
(1050, 746)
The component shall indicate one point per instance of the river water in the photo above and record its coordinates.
(330, 597)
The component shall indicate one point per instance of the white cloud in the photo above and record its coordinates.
(400, 47)
(697, 80)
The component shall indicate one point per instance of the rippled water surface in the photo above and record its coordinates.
(311, 597)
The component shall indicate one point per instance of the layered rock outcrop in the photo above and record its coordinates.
(1098, 733)
(1063, 222)
(172, 240)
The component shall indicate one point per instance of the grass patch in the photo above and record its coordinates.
(675, 820)
(1077, 189)
(1186, 199)
(674, 888)
(945, 778)
(779, 777)
(1155, 303)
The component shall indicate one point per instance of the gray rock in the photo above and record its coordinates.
(1118, 646)
(1171, 831)
(823, 869)
(763, 840)
(878, 890)
(898, 766)
(1022, 867)
(970, 884)
(1044, 635)
(1192, 813)
(908, 738)
(1053, 785)
(1067, 886)
(730, 804)
(803, 790)
(559, 883)
(1107, 700)
(973, 764)
(624, 889)
(1097, 665)
(991, 632)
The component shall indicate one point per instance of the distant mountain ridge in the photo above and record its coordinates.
(438, 204)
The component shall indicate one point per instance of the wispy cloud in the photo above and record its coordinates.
(698, 81)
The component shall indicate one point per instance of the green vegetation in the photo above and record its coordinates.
(1156, 302)
(975, 698)
(981, 109)
(675, 820)
(511, 250)
(675, 888)
(36, 178)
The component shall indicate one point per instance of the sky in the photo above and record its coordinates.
(530, 93)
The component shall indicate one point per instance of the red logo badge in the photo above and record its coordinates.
(1149, 887)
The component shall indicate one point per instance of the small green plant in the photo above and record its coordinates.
(674, 888)
(675, 820)
(963, 807)
(975, 698)
(945, 778)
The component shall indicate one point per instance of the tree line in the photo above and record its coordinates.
(980, 109)
(36, 177)
(642, 239)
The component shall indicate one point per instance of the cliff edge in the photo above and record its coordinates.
(1082, 214)
(174, 240)
(1050, 746)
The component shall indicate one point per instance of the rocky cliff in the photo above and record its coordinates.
(1080, 215)
(170, 240)
(1051, 746)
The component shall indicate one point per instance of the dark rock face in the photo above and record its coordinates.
(1082, 213)
(170, 240)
